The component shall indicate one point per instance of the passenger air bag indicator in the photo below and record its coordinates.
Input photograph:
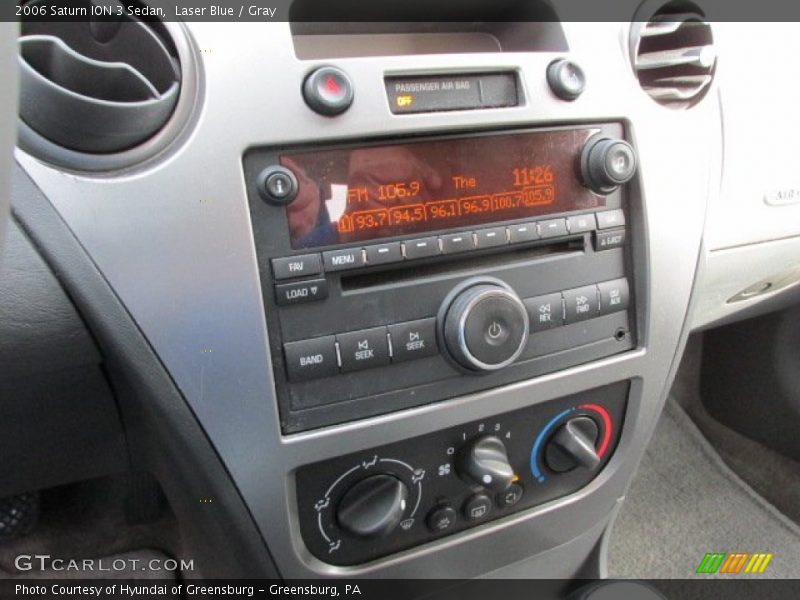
(451, 92)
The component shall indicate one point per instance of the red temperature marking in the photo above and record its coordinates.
(606, 425)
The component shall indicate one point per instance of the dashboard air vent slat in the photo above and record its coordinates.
(97, 87)
(674, 55)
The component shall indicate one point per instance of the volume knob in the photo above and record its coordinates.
(486, 327)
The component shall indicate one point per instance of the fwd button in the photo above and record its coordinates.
(363, 349)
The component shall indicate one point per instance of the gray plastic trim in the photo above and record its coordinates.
(175, 242)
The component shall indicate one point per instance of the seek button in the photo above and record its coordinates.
(415, 339)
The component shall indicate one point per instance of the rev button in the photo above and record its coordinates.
(299, 292)
(363, 349)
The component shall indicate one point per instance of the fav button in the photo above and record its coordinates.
(363, 349)
(328, 91)
(302, 265)
(310, 359)
(415, 339)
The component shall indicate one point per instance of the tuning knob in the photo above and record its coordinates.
(606, 164)
(485, 327)
(573, 445)
(484, 461)
(373, 507)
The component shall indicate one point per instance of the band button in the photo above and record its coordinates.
(310, 359)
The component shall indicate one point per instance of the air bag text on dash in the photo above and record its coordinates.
(224, 11)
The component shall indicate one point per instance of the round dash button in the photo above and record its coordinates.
(328, 91)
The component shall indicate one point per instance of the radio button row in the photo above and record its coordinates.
(491, 237)
(339, 260)
(606, 240)
(552, 228)
(457, 242)
(310, 359)
(580, 304)
(363, 349)
(614, 296)
(581, 223)
(524, 232)
(545, 312)
(303, 265)
(610, 218)
(300, 292)
(412, 340)
(384, 253)
(421, 248)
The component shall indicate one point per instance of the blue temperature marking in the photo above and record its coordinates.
(537, 474)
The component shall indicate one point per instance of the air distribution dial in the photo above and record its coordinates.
(573, 445)
(485, 327)
(606, 164)
(484, 461)
(373, 507)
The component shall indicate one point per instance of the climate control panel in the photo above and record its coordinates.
(359, 507)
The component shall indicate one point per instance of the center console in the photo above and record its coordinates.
(451, 264)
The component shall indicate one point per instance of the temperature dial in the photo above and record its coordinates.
(484, 461)
(573, 445)
(373, 507)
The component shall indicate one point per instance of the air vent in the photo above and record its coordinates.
(96, 87)
(673, 55)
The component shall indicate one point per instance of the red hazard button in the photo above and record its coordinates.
(328, 91)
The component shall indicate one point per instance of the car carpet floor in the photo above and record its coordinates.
(87, 521)
(684, 502)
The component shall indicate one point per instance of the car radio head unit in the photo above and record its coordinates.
(402, 272)
(367, 193)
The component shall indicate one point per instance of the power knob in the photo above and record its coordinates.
(606, 164)
(484, 461)
(373, 507)
(485, 326)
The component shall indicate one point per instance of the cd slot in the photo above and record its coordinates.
(463, 264)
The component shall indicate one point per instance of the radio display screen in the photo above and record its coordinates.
(375, 192)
